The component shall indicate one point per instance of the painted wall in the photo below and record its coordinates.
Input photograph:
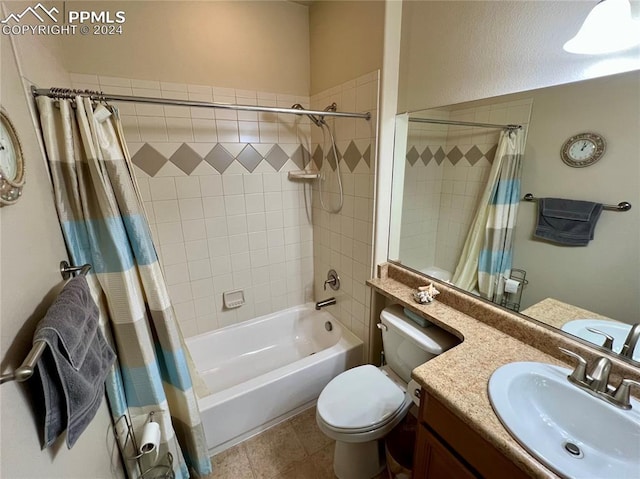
(455, 51)
(251, 45)
(346, 41)
(31, 248)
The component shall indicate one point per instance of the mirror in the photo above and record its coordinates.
(440, 171)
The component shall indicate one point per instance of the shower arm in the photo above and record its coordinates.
(312, 116)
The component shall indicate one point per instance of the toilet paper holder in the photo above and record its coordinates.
(150, 441)
(513, 288)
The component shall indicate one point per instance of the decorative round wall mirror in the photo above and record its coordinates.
(582, 150)
(11, 162)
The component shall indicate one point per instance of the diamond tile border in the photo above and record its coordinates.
(149, 160)
(187, 157)
(473, 154)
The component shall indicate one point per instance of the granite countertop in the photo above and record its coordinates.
(556, 313)
(459, 377)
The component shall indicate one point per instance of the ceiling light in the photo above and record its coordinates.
(608, 28)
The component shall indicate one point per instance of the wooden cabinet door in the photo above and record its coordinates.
(434, 461)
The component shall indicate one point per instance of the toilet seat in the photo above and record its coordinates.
(361, 400)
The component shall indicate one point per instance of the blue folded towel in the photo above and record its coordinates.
(567, 222)
(416, 318)
(75, 365)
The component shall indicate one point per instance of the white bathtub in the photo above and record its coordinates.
(265, 370)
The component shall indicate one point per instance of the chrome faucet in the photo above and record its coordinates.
(597, 383)
(333, 280)
(630, 342)
(325, 302)
(608, 339)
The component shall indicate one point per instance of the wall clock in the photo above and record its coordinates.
(582, 150)
(11, 162)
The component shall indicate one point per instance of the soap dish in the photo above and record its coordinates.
(233, 299)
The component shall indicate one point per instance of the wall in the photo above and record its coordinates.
(603, 276)
(31, 248)
(245, 45)
(346, 41)
(454, 51)
(222, 211)
(343, 241)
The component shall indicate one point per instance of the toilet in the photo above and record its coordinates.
(362, 405)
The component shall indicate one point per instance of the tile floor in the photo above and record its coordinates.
(293, 449)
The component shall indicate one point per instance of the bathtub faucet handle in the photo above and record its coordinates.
(333, 280)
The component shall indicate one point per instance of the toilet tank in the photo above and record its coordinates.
(407, 345)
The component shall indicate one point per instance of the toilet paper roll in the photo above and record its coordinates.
(511, 286)
(150, 437)
(412, 387)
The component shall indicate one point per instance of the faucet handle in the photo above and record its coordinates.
(333, 280)
(608, 340)
(579, 374)
(622, 394)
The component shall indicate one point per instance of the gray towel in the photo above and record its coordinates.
(75, 365)
(568, 222)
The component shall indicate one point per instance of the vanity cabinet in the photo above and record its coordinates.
(446, 448)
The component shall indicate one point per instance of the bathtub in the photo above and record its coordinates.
(264, 370)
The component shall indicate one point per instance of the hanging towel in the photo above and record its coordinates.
(567, 222)
(74, 366)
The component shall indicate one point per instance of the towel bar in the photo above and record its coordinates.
(27, 368)
(622, 206)
(67, 271)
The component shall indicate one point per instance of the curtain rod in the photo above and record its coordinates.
(67, 93)
(463, 123)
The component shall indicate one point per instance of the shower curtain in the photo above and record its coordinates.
(485, 261)
(103, 223)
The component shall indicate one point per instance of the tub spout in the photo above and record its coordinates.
(325, 302)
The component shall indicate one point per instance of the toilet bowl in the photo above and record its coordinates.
(362, 405)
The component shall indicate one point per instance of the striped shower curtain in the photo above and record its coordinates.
(103, 223)
(486, 258)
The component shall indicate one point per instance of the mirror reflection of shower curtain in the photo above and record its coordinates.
(485, 261)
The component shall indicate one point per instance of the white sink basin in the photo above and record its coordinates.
(619, 331)
(544, 412)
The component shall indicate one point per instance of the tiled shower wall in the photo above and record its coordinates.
(446, 170)
(343, 241)
(223, 214)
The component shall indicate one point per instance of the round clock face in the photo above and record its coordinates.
(11, 163)
(8, 155)
(582, 150)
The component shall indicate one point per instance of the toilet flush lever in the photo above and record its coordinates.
(333, 280)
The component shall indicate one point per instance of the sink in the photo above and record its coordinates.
(573, 433)
(619, 331)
